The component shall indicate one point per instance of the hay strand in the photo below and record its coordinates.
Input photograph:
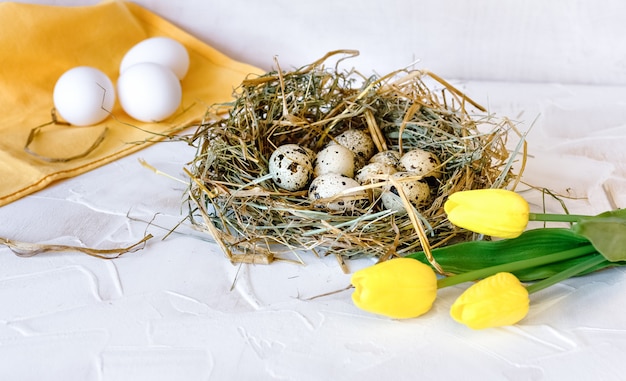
(28, 249)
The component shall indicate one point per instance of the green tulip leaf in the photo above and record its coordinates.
(606, 232)
(619, 213)
(532, 244)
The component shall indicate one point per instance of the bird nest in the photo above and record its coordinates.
(256, 221)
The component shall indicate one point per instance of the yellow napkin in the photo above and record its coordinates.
(39, 43)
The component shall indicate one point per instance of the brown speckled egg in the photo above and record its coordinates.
(422, 163)
(331, 184)
(387, 157)
(334, 158)
(370, 173)
(290, 167)
(416, 191)
(360, 143)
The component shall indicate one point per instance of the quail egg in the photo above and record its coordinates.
(387, 157)
(360, 143)
(422, 163)
(290, 167)
(331, 184)
(416, 191)
(334, 158)
(371, 173)
(311, 153)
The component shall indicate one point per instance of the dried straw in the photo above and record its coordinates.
(28, 249)
(255, 221)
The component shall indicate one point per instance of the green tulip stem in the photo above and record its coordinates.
(515, 266)
(547, 217)
(592, 261)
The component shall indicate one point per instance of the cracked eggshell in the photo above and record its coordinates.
(387, 157)
(359, 142)
(330, 185)
(416, 191)
(290, 166)
(334, 158)
(422, 163)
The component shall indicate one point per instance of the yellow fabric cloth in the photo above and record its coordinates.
(38, 43)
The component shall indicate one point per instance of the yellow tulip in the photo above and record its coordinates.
(495, 301)
(400, 288)
(494, 212)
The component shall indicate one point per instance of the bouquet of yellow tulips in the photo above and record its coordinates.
(407, 287)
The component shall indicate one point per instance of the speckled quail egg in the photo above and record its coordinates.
(360, 143)
(334, 158)
(291, 167)
(371, 173)
(416, 191)
(387, 157)
(311, 153)
(331, 184)
(421, 163)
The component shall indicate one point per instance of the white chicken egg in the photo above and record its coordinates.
(83, 96)
(331, 184)
(416, 191)
(334, 158)
(360, 143)
(422, 163)
(290, 167)
(149, 92)
(160, 50)
(387, 157)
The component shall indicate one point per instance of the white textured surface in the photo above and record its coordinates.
(178, 310)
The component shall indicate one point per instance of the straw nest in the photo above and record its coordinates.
(255, 221)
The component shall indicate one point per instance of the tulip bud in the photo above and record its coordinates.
(400, 288)
(494, 212)
(495, 301)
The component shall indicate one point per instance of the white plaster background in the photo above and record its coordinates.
(177, 310)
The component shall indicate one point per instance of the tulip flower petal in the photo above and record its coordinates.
(494, 212)
(399, 288)
(495, 301)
